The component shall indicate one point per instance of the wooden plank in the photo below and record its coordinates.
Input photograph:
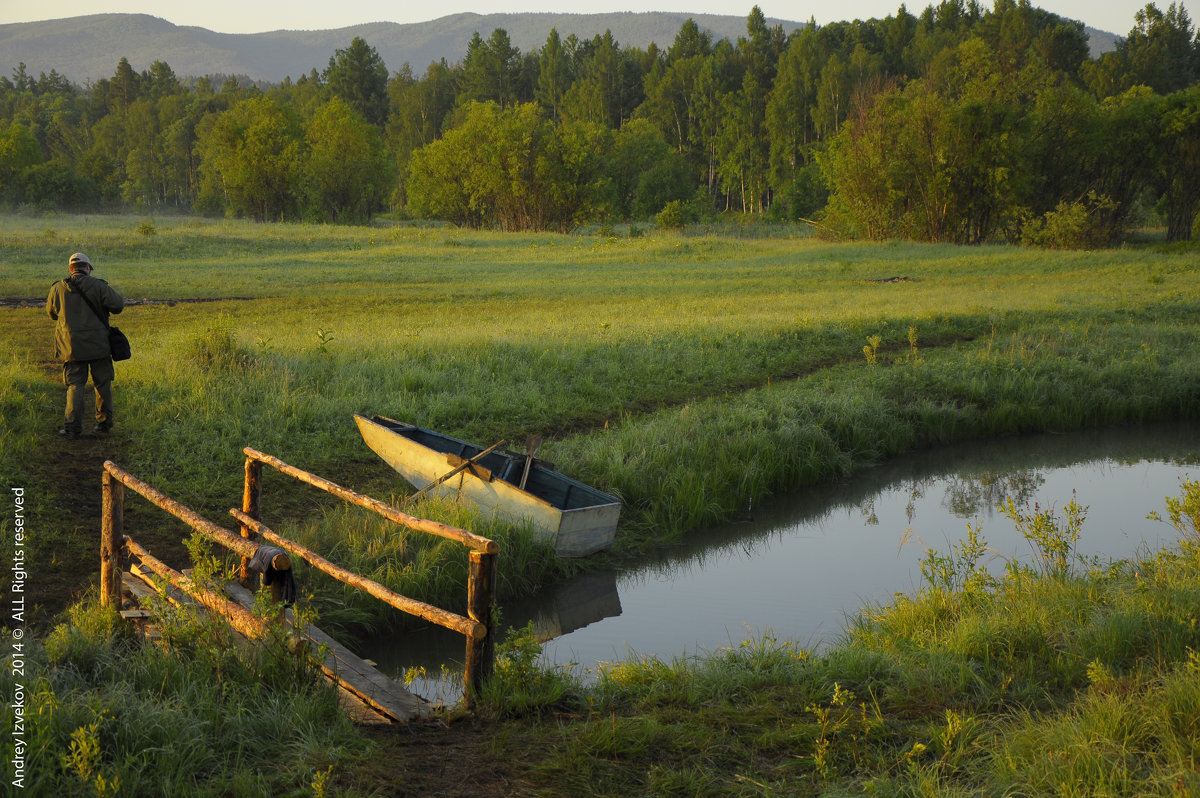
(142, 594)
(384, 695)
(139, 590)
(359, 712)
(454, 460)
(151, 583)
(381, 692)
(139, 615)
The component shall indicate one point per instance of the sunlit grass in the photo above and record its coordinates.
(105, 714)
(690, 375)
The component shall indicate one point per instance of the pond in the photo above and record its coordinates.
(798, 567)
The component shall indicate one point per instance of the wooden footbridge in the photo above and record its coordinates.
(370, 696)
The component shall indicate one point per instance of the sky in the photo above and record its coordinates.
(239, 16)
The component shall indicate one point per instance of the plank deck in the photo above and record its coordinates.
(142, 584)
(366, 695)
(383, 695)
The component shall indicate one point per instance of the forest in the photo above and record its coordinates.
(962, 124)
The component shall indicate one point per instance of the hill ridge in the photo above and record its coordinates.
(87, 48)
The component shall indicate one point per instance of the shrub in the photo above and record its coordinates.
(675, 215)
(57, 185)
(1183, 512)
(1074, 225)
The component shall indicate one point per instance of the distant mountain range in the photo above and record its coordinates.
(87, 48)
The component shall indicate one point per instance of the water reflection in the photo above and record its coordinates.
(967, 496)
(573, 605)
(801, 563)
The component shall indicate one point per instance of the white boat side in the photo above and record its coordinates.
(586, 526)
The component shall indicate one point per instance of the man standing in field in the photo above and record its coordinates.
(81, 341)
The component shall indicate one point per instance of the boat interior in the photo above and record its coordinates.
(544, 482)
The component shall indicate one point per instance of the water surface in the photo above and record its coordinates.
(797, 567)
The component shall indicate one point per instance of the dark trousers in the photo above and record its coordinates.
(75, 376)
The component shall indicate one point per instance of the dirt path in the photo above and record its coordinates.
(64, 486)
(466, 758)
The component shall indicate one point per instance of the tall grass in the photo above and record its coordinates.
(108, 715)
(414, 563)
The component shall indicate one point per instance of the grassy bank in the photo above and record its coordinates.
(689, 375)
(102, 714)
(1061, 677)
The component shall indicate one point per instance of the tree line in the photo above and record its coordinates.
(960, 124)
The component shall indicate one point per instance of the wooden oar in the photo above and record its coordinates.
(530, 447)
(460, 467)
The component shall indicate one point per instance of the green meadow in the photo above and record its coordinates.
(690, 374)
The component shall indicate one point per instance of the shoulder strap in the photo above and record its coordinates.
(89, 304)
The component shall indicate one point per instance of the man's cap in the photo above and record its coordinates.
(78, 261)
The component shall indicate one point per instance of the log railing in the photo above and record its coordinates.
(477, 627)
(113, 543)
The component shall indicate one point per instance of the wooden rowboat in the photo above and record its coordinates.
(575, 518)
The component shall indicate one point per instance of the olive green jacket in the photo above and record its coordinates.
(78, 333)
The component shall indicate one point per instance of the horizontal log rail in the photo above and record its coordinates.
(429, 612)
(230, 540)
(468, 539)
(238, 616)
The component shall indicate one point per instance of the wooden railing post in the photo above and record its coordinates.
(112, 534)
(250, 497)
(480, 651)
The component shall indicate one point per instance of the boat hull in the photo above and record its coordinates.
(574, 518)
